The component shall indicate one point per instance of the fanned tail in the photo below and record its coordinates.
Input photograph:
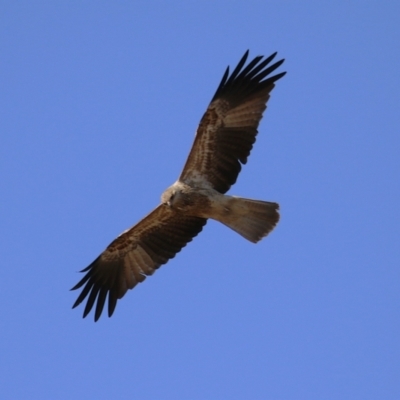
(253, 219)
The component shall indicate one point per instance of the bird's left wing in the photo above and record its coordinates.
(228, 129)
(135, 254)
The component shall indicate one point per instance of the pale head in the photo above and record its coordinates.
(168, 196)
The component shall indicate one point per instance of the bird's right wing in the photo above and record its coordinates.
(135, 254)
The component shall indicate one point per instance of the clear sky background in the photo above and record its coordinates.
(99, 102)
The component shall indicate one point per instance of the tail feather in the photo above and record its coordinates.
(253, 219)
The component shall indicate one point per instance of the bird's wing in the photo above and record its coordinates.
(133, 255)
(228, 129)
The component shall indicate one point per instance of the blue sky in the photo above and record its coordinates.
(99, 104)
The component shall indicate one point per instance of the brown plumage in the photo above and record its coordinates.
(223, 142)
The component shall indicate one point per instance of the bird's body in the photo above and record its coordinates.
(253, 219)
(223, 142)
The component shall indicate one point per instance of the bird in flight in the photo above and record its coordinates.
(223, 141)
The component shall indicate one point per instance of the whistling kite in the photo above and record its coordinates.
(222, 143)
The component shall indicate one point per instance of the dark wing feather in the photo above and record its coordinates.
(135, 254)
(228, 129)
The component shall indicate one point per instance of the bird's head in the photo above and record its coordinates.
(176, 196)
(169, 196)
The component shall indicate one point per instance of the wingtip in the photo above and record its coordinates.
(73, 288)
(76, 304)
(85, 313)
(273, 55)
(278, 76)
